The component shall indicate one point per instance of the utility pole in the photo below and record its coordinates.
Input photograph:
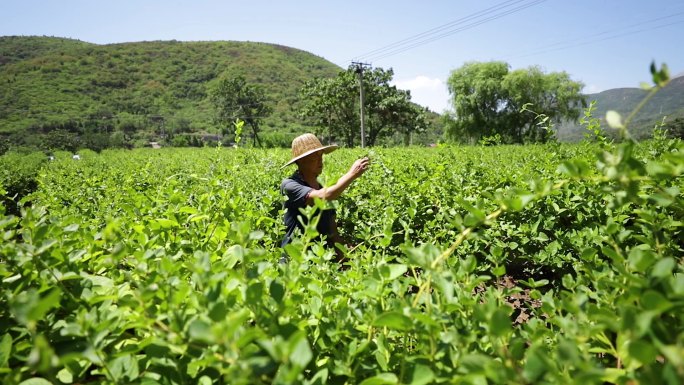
(359, 71)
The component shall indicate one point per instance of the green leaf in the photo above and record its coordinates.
(644, 320)
(381, 359)
(5, 350)
(673, 353)
(381, 379)
(218, 311)
(614, 119)
(663, 268)
(642, 351)
(575, 168)
(535, 365)
(588, 254)
(124, 367)
(197, 218)
(71, 228)
(321, 377)
(660, 169)
(300, 352)
(660, 78)
(254, 293)
(30, 307)
(662, 200)
(45, 246)
(393, 271)
(678, 284)
(568, 352)
(612, 254)
(393, 320)
(652, 300)
(422, 375)
(163, 224)
(200, 331)
(468, 264)
(36, 381)
(277, 291)
(65, 376)
(641, 257)
(420, 256)
(535, 284)
(500, 323)
(475, 215)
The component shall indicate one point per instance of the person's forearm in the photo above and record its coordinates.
(333, 192)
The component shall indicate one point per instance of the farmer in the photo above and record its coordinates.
(303, 187)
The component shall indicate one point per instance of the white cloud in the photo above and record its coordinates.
(426, 91)
(592, 89)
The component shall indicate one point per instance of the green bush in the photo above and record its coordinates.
(18, 174)
(276, 139)
(536, 264)
(60, 140)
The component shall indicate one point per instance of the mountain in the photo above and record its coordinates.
(667, 102)
(53, 83)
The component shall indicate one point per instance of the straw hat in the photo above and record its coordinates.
(307, 144)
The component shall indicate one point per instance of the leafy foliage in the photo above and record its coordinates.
(331, 105)
(132, 88)
(509, 264)
(18, 178)
(162, 267)
(235, 99)
(487, 99)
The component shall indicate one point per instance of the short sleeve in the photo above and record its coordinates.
(296, 192)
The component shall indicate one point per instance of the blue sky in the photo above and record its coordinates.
(604, 44)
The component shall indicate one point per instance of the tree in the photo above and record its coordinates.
(235, 99)
(60, 140)
(488, 99)
(333, 105)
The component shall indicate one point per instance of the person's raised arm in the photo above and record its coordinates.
(333, 192)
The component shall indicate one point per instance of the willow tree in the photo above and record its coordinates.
(488, 99)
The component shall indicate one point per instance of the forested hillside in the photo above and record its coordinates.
(668, 102)
(140, 89)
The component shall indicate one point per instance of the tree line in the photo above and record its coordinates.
(487, 101)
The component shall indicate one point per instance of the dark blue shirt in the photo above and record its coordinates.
(297, 191)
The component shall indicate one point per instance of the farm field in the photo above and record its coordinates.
(537, 264)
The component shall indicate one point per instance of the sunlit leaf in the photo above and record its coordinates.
(614, 119)
(393, 320)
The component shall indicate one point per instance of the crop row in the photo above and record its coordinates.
(508, 264)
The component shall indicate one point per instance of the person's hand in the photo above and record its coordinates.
(359, 167)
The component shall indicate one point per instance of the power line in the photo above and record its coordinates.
(436, 29)
(492, 13)
(466, 27)
(591, 39)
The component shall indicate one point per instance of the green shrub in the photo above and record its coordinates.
(18, 174)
